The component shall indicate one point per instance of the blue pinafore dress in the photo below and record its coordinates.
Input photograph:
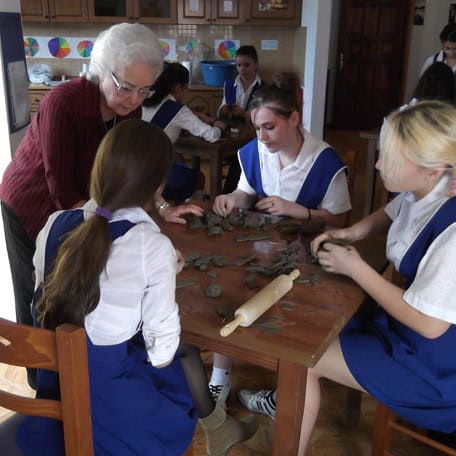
(315, 185)
(182, 181)
(412, 375)
(136, 408)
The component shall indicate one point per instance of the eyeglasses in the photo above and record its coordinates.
(126, 90)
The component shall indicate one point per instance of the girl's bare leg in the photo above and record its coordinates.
(333, 367)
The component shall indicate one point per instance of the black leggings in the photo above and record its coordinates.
(195, 372)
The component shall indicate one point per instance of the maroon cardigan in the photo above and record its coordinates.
(51, 167)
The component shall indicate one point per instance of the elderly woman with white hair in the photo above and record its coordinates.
(51, 168)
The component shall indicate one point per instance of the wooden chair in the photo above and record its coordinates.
(64, 351)
(349, 157)
(386, 422)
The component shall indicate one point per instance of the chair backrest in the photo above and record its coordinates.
(65, 352)
(349, 158)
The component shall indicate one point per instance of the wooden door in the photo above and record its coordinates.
(373, 52)
(34, 11)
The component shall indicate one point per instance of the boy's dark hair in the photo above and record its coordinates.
(448, 33)
(248, 51)
(436, 83)
(172, 75)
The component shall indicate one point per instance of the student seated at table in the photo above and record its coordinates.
(237, 98)
(286, 172)
(108, 268)
(165, 109)
(399, 349)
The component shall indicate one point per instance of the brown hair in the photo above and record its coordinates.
(280, 96)
(131, 164)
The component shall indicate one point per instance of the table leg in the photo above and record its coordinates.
(215, 179)
(291, 390)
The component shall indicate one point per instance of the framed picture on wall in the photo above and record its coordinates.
(420, 8)
(452, 13)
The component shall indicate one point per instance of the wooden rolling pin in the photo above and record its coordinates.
(246, 314)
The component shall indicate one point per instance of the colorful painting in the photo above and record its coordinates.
(168, 47)
(31, 47)
(226, 49)
(84, 48)
(59, 47)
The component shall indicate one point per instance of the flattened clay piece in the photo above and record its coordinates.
(253, 220)
(252, 282)
(218, 261)
(212, 274)
(213, 219)
(185, 283)
(306, 228)
(252, 237)
(243, 261)
(235, 219)
(213, 290)
(190, 257)
(287, 306)
(214, 230)
(311, 280)
(225, 311)
(194, 222)
(226, 225)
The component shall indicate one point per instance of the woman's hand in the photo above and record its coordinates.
(180, 261)
(175, 213)
(273, 205)
(224, 204)
(344, 235)
(338, 259)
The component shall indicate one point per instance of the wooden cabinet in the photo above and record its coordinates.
(204, 99)
(145, 11)
(37, 92)
(54, 11)
(211, 11)
(274, 12)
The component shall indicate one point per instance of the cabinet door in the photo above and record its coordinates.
(275, 12)
(155, 11)
(110, 10)
(35, 97)
(64, 11)
(227, 12)
(54, 11)
(194, 11)
(35, 11)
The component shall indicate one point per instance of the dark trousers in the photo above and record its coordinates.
(234, 173)
(20, 250)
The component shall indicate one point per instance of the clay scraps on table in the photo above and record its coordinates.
(185, 283)
(214, 290)
(202, 262)
(305, 228)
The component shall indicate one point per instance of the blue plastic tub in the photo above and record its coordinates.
(216, 72)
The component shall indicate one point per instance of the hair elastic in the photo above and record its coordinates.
(102, 212)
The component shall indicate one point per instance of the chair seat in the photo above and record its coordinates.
(8, 430)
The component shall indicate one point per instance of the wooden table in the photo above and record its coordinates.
(312, 318)
(198, 148)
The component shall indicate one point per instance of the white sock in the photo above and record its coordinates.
(220, 376)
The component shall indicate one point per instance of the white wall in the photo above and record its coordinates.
(316, 17)
(425, 40)
(8, 143)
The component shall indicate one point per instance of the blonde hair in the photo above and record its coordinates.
(424, 133)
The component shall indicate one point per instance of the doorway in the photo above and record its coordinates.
(372, 61)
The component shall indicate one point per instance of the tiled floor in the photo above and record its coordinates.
(332, 436)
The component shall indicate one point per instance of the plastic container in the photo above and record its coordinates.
(216, 72)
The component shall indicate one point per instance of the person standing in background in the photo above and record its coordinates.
(448, 52)
(237, 98)
(51, 168)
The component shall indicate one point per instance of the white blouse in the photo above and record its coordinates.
(183, 120)
(287, 182)
(137, 287)
(434, 288)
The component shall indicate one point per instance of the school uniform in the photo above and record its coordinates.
(412, 375)
(234, 93)
(437, 57)
(173, 117)
(136, 408)
(316, 179)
